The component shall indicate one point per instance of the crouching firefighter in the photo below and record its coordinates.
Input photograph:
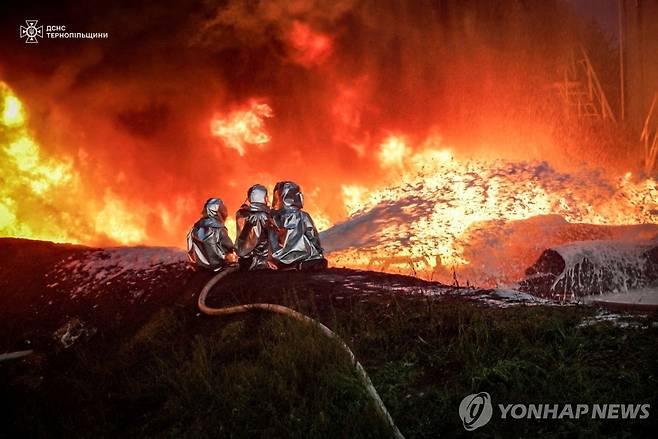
(208, 243)
(294, 240)
(252, 230)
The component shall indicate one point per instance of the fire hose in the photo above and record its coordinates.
(279, 309)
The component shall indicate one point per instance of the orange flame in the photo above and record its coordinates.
(40, 197)
(455, 197)
(310, 47)
(44, 196)
(243, 127)
(392, 152)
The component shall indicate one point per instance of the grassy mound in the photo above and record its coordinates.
(257, 375)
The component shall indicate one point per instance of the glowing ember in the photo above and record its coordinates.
(243, 127)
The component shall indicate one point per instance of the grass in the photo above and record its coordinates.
(266, 376)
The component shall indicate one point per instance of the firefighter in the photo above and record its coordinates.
(208, 243)
(294, 240)
(253, 222)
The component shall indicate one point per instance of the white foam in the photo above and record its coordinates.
(612, 266)
(102, 266)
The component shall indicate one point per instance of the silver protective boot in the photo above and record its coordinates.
(294, 240)
(208, 242)
(252, 230)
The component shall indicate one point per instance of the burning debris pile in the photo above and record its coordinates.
(486, 222)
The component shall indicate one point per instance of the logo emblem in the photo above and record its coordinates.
(31, 31)
(475, 410)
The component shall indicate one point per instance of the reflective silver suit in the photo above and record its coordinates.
(208, 242)
(252, 228)
(294, 239)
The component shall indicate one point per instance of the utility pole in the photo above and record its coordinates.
(622, 96)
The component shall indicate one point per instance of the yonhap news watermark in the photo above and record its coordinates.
(32, 31)
(476, 410)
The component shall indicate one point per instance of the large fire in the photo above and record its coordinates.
(431, 201)
(44, 198)
(413, 132)
(438, 205)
